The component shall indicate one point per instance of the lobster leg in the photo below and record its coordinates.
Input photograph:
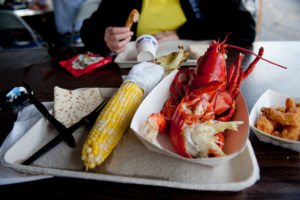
(252, 65)
(179, 84)
(235, 74)
(232, 69)
(236, 88)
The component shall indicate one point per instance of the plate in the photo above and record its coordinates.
(127, 58)
(138, 164)
(235, 141)
(271, 98)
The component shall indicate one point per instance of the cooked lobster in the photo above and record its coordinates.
(202, 102)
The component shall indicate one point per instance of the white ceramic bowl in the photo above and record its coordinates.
(235, 141)
(273, 99)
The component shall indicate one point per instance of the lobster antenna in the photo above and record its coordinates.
(225, 39)
(248, 51)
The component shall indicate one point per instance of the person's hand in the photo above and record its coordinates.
(116, 38)
(167, 35)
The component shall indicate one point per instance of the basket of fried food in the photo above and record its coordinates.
(275, 119)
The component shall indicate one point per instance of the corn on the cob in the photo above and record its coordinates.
(111, 124)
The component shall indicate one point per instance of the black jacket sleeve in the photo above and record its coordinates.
(214, 19)
(109, 13)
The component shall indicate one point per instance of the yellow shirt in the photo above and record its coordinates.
(160, 15)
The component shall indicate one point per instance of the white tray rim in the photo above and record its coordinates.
(232, 186)
(253, 176)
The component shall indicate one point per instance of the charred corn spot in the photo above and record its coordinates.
(111, 125)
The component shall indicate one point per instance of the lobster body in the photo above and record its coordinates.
(210, 67)
(202, 102)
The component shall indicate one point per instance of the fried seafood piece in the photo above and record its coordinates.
(276, 133)
(282, 122)
(133, 17)
(264, 124)
(281, 109)
(284, 118)
(289, 104)
(291, 133)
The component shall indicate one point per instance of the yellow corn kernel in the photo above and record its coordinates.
(111, 124)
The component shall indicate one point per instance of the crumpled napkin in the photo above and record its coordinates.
(146, 75)
(27, 117)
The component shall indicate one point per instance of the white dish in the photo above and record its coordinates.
(139, 165)
(235, 140)
(128, 57)
(274, 99)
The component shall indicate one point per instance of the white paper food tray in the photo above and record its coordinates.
(128, 57)
(131, 162)
(274, 99)
(235, 141)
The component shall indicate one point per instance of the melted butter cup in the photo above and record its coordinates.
(146, 46)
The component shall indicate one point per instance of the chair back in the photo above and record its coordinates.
(15, 32)
(86, 9)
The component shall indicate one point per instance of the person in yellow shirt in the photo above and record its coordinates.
(104, 31)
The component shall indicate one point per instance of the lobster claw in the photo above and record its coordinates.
(154, 125)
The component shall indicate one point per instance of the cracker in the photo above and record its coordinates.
(70, 106)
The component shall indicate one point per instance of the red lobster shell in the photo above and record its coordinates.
(202, 102)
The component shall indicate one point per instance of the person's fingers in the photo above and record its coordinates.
(121, 45)
(116, 33)
(120, 36)
(119, 30)
(118, 46)
(116, 38)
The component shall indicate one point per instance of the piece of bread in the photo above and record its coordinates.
(70, 106)
(132, 18)
(197, 50)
